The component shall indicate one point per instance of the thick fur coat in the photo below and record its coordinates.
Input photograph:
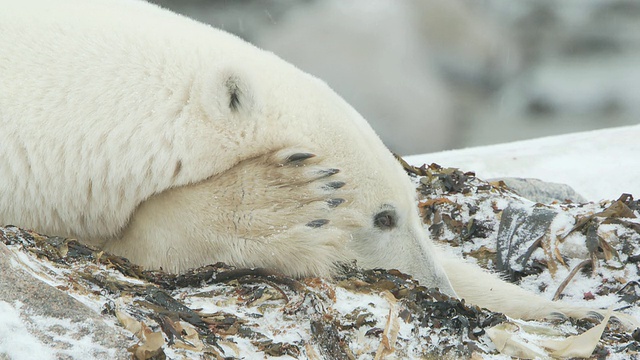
(178, 145)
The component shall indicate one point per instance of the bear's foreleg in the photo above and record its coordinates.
(284, 210)
(482, 288)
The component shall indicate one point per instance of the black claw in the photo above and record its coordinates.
(317, 223)
(329, 172)
(616, 320)
(335, 184)
(596, 315)
(335, 202)
(300, 157)
(558, 316)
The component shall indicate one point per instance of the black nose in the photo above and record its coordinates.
(385, 220)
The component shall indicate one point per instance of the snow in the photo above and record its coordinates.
(600, 164)
(74, 339)
(15, 339)
(17, 342)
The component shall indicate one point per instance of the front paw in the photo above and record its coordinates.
(303, 184)
(289, 205)
(267, 196)
(593, 315)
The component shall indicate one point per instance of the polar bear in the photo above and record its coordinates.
(178, 145)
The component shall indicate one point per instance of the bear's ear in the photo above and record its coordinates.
(235, 93)
(227, 93)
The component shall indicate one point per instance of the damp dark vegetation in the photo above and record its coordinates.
(459, 325)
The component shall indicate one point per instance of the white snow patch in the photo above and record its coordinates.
(16, 342)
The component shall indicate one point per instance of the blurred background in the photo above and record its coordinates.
(433, 75)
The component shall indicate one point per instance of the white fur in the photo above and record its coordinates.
(165, 140)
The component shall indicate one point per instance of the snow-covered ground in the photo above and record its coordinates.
(600, 164)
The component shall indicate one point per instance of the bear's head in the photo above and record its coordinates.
(275, 170)
(277, 109)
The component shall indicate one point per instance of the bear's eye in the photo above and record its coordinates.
(385, 220)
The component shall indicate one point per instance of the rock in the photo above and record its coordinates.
(541, 191)
(521, 227)
(60, 325)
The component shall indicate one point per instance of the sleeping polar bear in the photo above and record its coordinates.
(177, 145)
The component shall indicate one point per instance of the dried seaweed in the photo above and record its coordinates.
(332, 344)
(156, 309)
(458, 324)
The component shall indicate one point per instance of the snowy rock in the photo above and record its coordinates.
(541, 191)
(37, 320)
